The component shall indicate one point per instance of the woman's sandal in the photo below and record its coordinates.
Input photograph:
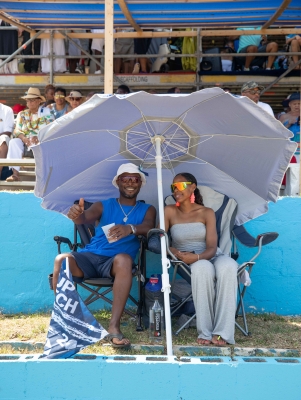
(219, 341)
(13, 178)
(203, 342)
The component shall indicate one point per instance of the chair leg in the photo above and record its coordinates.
(186, 323)
(241, 293)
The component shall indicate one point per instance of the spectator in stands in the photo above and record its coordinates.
(291, 120)
(256, 44)
(98, 47)
(77, 65)
(17, 108)
(229, 47)
(73, 51)
(59, 64)
(34, 48)
(174, 90)
(49, 95)
(124, 46)
(294, 41)
(226, 59)
(252, 90)
(123, 89)
(152, 91)
(60, 107)
(6, 129)
(8, 45)
(28, 124)
(142, 64)
(75, 99)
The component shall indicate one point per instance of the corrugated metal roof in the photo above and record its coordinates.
(156, 13)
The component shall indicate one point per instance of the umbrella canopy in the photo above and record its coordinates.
(229, 143)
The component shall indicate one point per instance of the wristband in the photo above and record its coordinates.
(133, 229)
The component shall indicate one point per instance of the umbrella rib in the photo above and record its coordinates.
(189, 109)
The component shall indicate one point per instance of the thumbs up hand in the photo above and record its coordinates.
(76, 210)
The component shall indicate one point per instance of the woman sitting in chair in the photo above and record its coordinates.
(213, 275)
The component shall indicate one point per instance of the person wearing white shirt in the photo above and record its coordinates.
(6, 129)
(252, 90)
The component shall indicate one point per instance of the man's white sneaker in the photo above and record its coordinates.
(97, 72)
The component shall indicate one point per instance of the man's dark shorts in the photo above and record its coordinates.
(258, 61)
(93, 265)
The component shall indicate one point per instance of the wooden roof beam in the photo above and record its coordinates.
(15, 23)
(277, 14)
(128, 15)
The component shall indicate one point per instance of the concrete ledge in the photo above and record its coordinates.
(178, 350)
(147, 377)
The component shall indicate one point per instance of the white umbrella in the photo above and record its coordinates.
(227, 142)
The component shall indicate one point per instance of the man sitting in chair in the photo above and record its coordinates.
(104, 259)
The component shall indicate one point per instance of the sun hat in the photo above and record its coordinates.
(130, 169)
(74, 93)
(33, 93)
(250, 85)
(291, 97)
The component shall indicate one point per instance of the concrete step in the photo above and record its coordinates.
(27, 176)
(16, 186)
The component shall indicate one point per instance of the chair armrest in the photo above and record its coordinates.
(153, 240)
(267, 238)
(61, 239)
(248, 240)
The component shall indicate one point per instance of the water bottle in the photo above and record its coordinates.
(156, 322)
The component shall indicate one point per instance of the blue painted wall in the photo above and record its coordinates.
(28, 250)
(140, 379)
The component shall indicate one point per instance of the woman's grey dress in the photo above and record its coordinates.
(214, 283)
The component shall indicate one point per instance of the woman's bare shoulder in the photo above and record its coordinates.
(170, 209)
(208, 212)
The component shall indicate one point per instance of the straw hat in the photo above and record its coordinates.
(33, 93)
(130, 169)
(74, 93)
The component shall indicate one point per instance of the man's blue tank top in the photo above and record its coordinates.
(113, 213)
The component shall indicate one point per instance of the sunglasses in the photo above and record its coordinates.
(75, 98)
(179, 185)
(127, 179)
(59, 96)
(253, 91)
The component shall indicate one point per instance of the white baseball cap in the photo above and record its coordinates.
(131, 169)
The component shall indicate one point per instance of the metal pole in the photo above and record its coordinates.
(280, 77)
(199, 49)
(109, 45)
(20, 49)
(165, 262)
(51, 58)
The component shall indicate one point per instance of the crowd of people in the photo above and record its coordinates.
(18, 135)
(132, 51)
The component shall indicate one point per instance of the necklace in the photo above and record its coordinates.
(126, 215)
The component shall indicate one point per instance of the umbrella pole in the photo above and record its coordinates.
(165, 262)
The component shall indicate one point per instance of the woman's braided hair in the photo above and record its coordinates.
(190, 178)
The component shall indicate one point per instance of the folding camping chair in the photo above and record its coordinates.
(99, 288)
(225, 210)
